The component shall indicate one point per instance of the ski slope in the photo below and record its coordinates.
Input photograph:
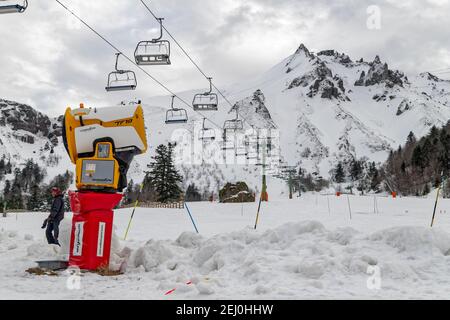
(303, 249)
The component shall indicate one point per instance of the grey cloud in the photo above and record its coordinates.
(46, 61)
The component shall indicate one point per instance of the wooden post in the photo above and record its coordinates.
(328, 201)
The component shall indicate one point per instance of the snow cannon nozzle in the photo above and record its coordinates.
(102, 144)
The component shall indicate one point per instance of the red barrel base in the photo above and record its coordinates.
(92, 225)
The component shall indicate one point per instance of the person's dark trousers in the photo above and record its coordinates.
(52, 232)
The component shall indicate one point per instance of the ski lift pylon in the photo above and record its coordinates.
(154, 52)
(207, 101)
(227, 143)
(120, 80)
(176, 115)
(13, 8)
(207, 134)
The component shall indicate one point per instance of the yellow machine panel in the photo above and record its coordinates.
(100, 171)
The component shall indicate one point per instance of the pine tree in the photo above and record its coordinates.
(403, 167)
(2, 205)
(16, 198)
(2, 167)
(426, 190)
(7, 189)
(148, 193)
(417, 158)
(36, 201)
(193, 194)
(356, 170)
(164, 176)
(173, 177)
(13, 192)
(434, 132)
(444, 157)
(8, 167)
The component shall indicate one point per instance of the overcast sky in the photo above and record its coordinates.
(49, 61)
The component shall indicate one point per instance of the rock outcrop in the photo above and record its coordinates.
(379, 73)
(236, 193)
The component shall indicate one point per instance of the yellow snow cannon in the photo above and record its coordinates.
(100, 172)
(102, 143)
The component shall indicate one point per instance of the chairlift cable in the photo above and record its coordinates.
(132, 61)
(176, 42)
(192, 60)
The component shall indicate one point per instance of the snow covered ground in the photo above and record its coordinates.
(301, 250)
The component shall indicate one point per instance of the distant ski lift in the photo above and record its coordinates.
(176, 115)
(251, 138)
(207, 101)
(259, 163)
(252, 155)
(120, 80)
(288, 170)
(227, 143)
(154, 52)
(13, 8)
(135, 102)
(234, 124)
(207, 134)
(251, 141)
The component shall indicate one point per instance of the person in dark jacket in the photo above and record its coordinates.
(55, 217)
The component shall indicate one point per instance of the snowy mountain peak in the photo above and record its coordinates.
(301, 56)
(379, 73)
(302, 49)
(28, 134)
(255, 111)
(321, 82)
(338, 57)
(431, 77)
(377, 60)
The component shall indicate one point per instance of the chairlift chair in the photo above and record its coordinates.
(265, 143)
(155, 52)
(13, 8)
(227, 144)
(207, 134)
(207, 101)
(120, 80)
(288, 170)
(234, 124)
(176, 115)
